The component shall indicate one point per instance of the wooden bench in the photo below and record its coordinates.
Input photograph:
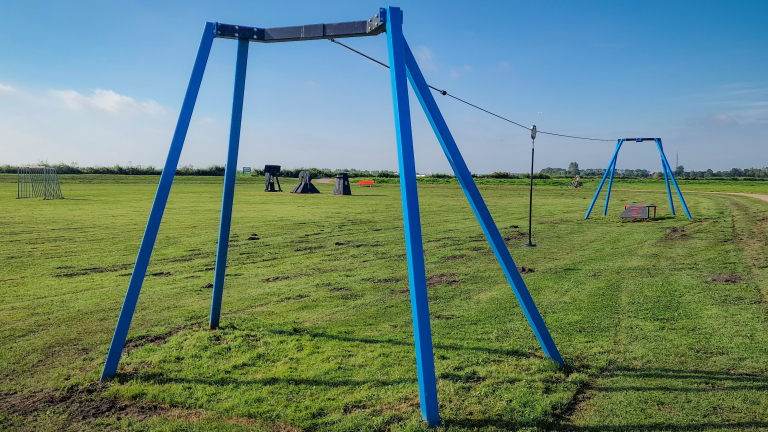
(365, 183)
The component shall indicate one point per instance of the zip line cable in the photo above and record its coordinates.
(445, 93)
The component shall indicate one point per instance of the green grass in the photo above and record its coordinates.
(316, 330)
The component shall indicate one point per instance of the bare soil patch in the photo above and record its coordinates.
(94, 270)
(728, 278)
(455, 257)
(675, 233)
(442, 279)
(207, 286)
(525, 270)
(276, 279)
(157, 340)
(161, 274)
(86, 404)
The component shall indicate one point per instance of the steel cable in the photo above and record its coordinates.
(445, 93)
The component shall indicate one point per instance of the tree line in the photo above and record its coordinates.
(572, 170)
(189, 170)
(680, 172)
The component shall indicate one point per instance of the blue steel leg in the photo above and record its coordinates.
(158, 207)
(425, 362)
(666, 178)
(464, 176)
(610, 184)
(600, 187)
(674, 180)
(230, 175)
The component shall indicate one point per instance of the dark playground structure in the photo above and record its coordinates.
(305, 185)
(342, 185)
(270, 178)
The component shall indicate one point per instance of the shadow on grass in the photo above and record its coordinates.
(443, 346)
(707, 381)
(693, 381)
(160, 378)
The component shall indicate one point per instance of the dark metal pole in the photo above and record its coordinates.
(530, 199)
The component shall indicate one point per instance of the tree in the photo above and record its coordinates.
(679, 171)
(573, 169)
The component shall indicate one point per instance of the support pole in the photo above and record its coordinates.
(600, 187)
(530, 198)
(425, 362)
(666, 177)
(482, 214)
(674, 180)
(158, 206)
(230, 177)
(610, 184)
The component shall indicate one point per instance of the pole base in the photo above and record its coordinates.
(529, 244)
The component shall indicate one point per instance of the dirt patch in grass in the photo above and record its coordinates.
(515, 236)
(160, 274)
(187, 259)
(404, 291)
(276, 279)
(525, 270)
(675, 233)
(728, 278)
(339, 290)
(207, 286)
(309, 248)
(387, 281)
(157, 340)
(94, 270)
(442, 279)
(341, 243)
(455, 257)
(86, 404)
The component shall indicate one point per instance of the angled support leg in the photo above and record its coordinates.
(666, 177)
(674, 180)
(464, 176)
(158, 207)
(610, 184)
(600, 187)
(230, 175)
(425, 362)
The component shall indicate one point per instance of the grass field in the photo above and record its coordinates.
(662, 324)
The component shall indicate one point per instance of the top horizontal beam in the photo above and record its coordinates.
(372, 27)
(639, 139)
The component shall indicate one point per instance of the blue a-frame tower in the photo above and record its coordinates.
(403, 68)
(668, 174)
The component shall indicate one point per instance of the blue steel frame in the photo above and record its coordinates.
(403, 69)
(668, 174)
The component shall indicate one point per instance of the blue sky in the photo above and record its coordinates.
(101, 83)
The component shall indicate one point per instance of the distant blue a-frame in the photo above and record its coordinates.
(403, 68)
(668, 174)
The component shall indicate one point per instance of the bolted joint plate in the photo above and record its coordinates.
(372, 27)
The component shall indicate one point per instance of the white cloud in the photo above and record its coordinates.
(108, 101)
(454, 74)
(425, 58)
(5, 88)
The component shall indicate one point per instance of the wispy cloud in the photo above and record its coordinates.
(455, 73)
(108, 101)
(425, 57)
(5, 88)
